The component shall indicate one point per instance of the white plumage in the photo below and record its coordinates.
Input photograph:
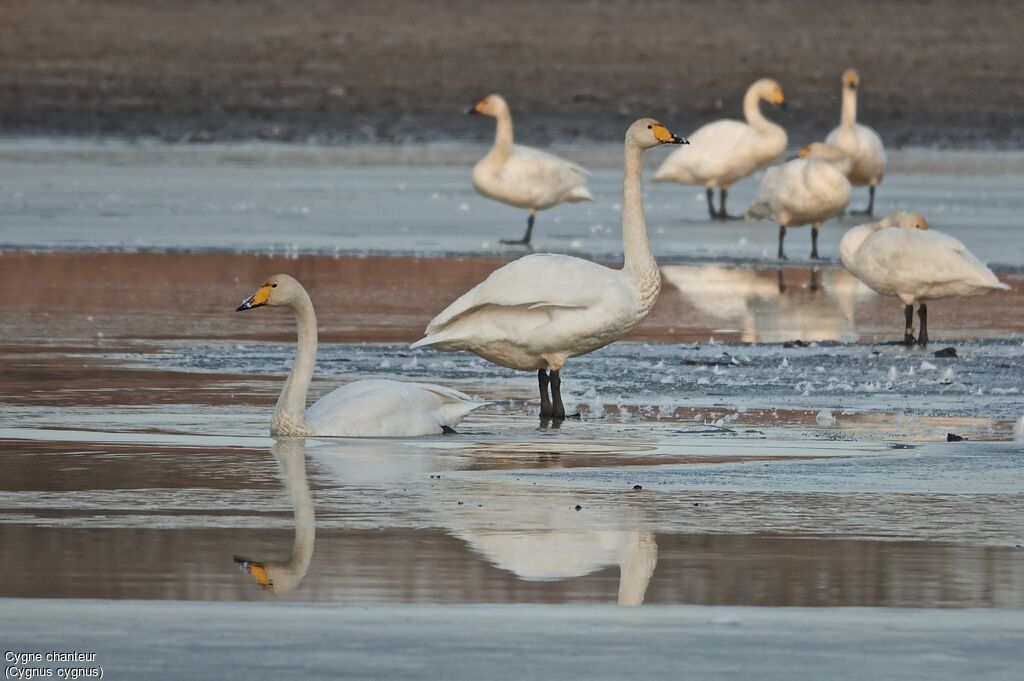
(521, 176)
(370, 408)
(723, 152)
(859, 142)
(536, 312)
(807, 190)
(899, 256)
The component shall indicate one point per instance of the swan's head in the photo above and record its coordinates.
(259, 571)
(906, 220)
(279, 289)
(647, 132)
(851, 79)
(769, 90)
(491, 105)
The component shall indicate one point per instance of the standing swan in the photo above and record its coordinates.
(859, 142)
(373, 408)
(536, 312)
(521, 176)
(807, 190)
(723, 152)
(900, 256)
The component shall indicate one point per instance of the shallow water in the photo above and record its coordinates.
(788, 453)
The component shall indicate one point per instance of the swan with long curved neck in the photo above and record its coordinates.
(536, 312)
(522, 176)
(371, 408)
(284, 577)
(724, 152)
(859, 142)
(805, 191)
(900, 256)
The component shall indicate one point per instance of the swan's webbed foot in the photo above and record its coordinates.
(867, 211)
(514, 242)
(870, 210)
(448, 430)
(722, 213)
(908, 339)
(726, 216)
(525, 241)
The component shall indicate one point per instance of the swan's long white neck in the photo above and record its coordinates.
(502, 148)
(290, 413)
(848, 117)
(640, 266)
(752, 112)
(302, 502)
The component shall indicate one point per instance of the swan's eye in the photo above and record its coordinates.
(273, 286)
(649, 127)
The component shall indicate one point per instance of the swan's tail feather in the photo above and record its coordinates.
(579, 194)
(759, 210)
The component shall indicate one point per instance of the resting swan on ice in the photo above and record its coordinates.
(371, 408)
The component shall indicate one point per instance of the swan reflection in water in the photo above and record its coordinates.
(773, 309)
(527, 530)
(281, 578)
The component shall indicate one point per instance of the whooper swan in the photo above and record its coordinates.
(521, 176)
(724, 152)
(900, 256)
(536, 312)
(807, 190)
(859, 142)
(371, 408)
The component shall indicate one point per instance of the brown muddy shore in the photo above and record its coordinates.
(934, 73)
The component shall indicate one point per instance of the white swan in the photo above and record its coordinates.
(536, 312)
(723, 152)
(859, 142)
(373, 408)
(900, 256)
(521, 176)
(284, 577)
(807, 190)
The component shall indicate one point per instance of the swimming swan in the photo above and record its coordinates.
(807, 190)
(371, 408)
(723, 152)
(859, 142)
(521, 176)
(900, 256)
(536, 312)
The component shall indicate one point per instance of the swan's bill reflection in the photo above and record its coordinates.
(281, 578)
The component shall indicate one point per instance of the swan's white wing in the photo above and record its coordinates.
(534, 281)
(544, 177)
(712, 150)
(922, 263)
(382, 408)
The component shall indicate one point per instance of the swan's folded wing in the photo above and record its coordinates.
(534, 281)
(914, 257)
(543, 158)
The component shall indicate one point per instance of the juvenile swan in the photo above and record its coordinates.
(536, 312)
(521, 176)
(900, 256)
(807, 190)
(859, 142)
(723, 152)
(372, 408)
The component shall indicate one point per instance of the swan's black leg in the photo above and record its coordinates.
(870, 210)
(545, 401)
(922, 334)
(722, 213)
(558, 409)
(908, 333)
(782, 237)
(710, 193)
(814, 242)
(525, 241)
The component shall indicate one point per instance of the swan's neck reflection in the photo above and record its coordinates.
(281, 578)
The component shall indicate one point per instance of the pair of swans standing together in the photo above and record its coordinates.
(531, 315)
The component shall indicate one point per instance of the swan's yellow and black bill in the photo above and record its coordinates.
(257, 570)
(476, 108)
(257, 299)
(664, 136)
